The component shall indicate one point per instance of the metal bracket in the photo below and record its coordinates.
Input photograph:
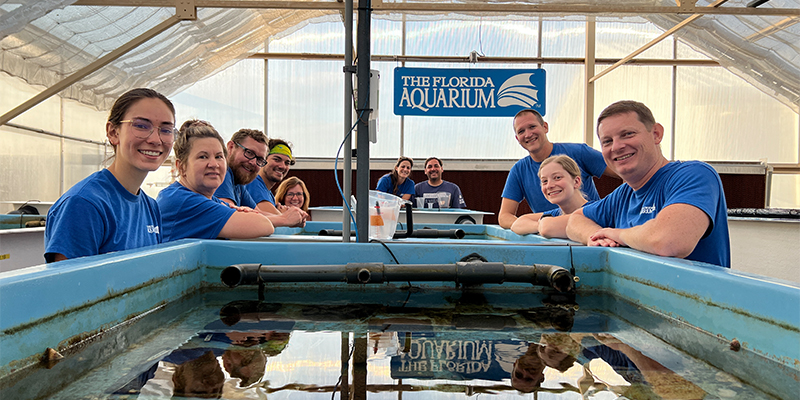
(686, 5)
(185, 10)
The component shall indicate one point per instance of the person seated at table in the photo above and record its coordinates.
(189, 207)
(561, 185)
(293, 192)
(434, 168)
(397, 182)
(107, 211)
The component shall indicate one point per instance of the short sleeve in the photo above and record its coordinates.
(384, 184)
(75, 228)
(513, 189)
(601, 211)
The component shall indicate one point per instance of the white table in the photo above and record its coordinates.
(421, 216)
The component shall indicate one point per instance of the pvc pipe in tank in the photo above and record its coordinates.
(471, 272)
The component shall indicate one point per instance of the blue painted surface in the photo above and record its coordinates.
(43, 306)
(16, 221)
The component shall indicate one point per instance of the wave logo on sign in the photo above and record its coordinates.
(518, 91)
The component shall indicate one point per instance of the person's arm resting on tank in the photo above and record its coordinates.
(246, 225)
(286, 216)
(508, 213)
(527, 223)
(674, 232)
(554, 227)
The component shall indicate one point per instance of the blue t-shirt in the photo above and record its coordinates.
(523, 181)
(258, 191)
(98, 215)
(188, 214)
(237, 193)
(456, 199)
(385, 186)
(688, 182)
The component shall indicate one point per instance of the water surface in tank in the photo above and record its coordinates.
(386, 343)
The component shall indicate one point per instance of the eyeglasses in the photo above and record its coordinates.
(143, 128)
(294, 194)
(250, 154)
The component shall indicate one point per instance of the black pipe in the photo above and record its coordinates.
(468, 273)
(334, 232)
(409, 224)
(438, 233)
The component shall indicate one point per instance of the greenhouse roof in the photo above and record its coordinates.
(109, 47)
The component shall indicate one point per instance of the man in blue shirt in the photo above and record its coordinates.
(247, 150)
(247, 157)
(674, 209)
(435, 184)
(278, 162)
(523, 179)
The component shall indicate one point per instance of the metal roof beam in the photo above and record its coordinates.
(183, 11)
(487, 60)
(655, 41)
(773, 28)
(567, 9)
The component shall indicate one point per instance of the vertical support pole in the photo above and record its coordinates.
(588, 94)
(347, 168)
(403, 64)
(673, 116)
(62, 147)
(266, 95)
(360, 364)
(362, 113)
(344, 392)
(539, 41)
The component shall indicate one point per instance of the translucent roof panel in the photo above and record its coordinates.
(42, 41)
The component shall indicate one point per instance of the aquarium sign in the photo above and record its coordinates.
(469, 92)
(451, 358)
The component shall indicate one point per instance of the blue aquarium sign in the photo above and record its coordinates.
(468, 92)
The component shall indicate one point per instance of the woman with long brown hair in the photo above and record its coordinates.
(397, 182)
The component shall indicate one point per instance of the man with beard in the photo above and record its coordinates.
(247, 154)
(523, 179)
(433, 170)
(278, 162)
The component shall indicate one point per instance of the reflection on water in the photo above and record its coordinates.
(421, 346)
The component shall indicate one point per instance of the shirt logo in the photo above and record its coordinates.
(648, 210)
(152, 229)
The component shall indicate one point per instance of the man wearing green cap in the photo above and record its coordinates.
(279, 161)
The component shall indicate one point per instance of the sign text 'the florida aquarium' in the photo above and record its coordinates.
(468, 92)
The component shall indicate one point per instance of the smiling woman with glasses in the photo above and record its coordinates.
(107, 211)
(293, 192)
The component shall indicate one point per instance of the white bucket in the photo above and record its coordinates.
(384, 209)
